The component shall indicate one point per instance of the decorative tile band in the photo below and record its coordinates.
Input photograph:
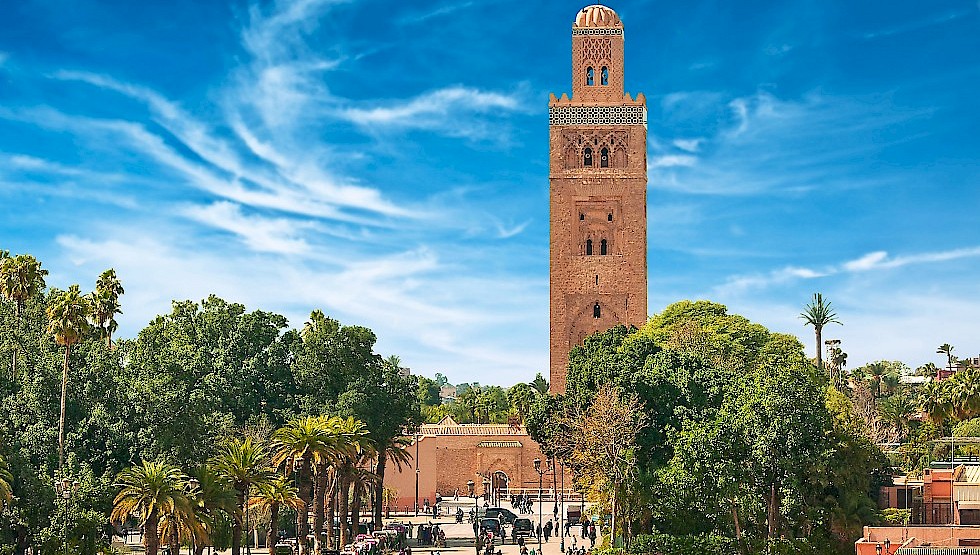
(598, 115)
(597, 31)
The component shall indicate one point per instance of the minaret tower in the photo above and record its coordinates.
(598, 193)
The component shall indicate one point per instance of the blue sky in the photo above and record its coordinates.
(387, 163)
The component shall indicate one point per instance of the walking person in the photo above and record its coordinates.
(592, 535)
(547, 531)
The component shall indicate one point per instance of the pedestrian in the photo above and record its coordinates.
(592, 535)
(538, 535)
(585, 529)
(547, 531)
(456, 495)
(476, 528)
(555, 512)
(409, 527)
(568, 528)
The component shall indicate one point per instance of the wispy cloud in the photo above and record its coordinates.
(262, 234)
(872, 261)
(938, 19)
(433, 13)
(770, 145)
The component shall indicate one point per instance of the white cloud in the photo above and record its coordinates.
(673, 160)
(276, 235)
(877, 260)
(689, 145)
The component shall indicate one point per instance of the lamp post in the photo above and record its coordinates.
(418, 436)
(541, 472)
(64, 489)
(561, 511)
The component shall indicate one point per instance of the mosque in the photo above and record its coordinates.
(598, 265)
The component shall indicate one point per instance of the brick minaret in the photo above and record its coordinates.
(598, 193)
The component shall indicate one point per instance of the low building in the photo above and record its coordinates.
(497, 458)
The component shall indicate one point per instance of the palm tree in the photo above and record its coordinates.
(937, 400)
(213, 496)
(927, 369)
(21, 277)
(818, 314)
(105, 304)
(148, 492)
(297, 444)
(244, 463)
(352, 447)
(395, 451)
(67, 323)
(272, 496)
(947, 349)
(896, 411)
(6, 493)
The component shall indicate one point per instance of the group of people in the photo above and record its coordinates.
(428, 534)
(521, 503)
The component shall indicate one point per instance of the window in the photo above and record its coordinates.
(588, 247)
(590, 77)
(609, 217)
(596, 311)
(604, 158)
(587, 158)
(604, 76)
(581, 217)
(603, 247)
(597, 279)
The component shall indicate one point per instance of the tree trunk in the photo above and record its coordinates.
(61, 422)
(331, 537)
(270, 537)
(773, 513)
(379, 488)
(819, 331)
(151, 542)
(343, 507)
(303, 512)
(612, 528)
(355, 509)
(738, 527)
(320, 493)
(236, 526)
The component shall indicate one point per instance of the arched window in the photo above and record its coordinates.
(604, 158)
(604, 76)
(596, 311)
(587, 158)
(603, 247)
(590, 76)
(581, 217)
(588, 246)
(609, 217)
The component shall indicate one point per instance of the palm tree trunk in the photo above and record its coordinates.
(612, 527)
(270, 537)
(320, 494)
(379, 488)
(355, 508)
(151, 542)
(303, 513)
(61, 422)
(819, 331)
(236, 527)
(343, 507)
(331, 537)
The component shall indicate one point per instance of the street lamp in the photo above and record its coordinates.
(541, 472)
(64, 489)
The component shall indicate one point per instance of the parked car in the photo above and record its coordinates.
(495, 512)
(491, 525)
(523, 527)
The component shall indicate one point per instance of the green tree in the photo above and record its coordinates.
(147, 492)
(5, 478)
(67, 322)
(521, 397)
(271, 497)
(245, 464)
(540, 384)
(21, 278)
(105, 304)
(947, 349)
(818, 314)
